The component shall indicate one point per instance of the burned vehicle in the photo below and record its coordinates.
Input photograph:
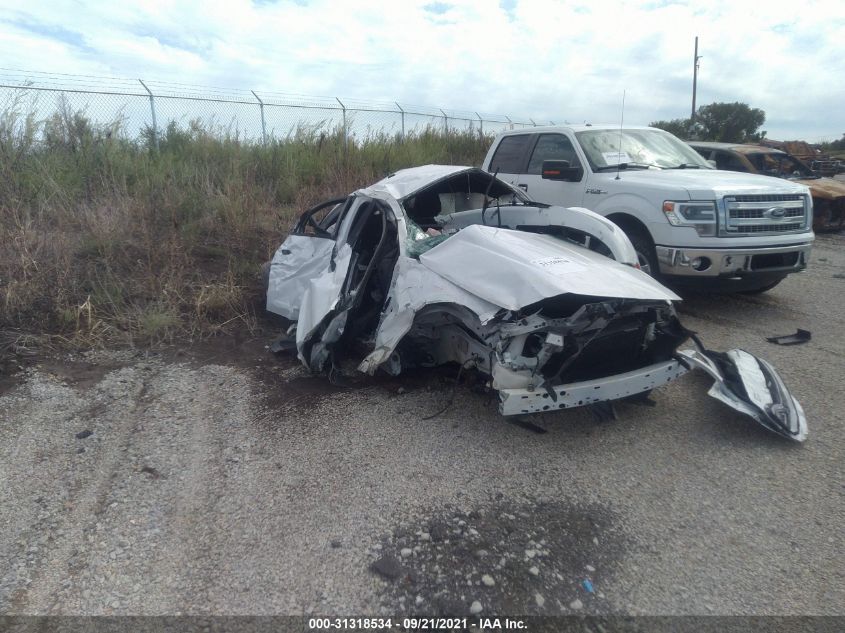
(420, 270)
(828, 193)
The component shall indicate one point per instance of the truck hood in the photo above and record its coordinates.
(829, 188)
(704, 184)
(513, 269)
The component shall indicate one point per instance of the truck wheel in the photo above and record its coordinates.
(646, 255)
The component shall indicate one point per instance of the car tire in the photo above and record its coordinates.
(646, 255)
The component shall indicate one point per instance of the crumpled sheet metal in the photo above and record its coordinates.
(577, 218)
(300, 259)
(413, 287)
(768, 401)
(514, 269)
(321, 296)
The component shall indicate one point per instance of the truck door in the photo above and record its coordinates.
(553, 147)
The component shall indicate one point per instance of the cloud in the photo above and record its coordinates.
(525, 58)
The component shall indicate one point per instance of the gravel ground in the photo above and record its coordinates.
(222, 480)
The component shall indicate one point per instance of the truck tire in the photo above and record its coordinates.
(646, 255)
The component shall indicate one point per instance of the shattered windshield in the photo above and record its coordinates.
(629, 149)
(419, 241)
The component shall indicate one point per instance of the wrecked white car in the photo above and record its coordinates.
(420, 270)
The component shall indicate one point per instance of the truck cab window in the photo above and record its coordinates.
(552, 147)
(510, 155)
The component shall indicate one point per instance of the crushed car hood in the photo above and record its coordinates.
(514, 269)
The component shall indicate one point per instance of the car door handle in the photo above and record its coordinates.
(523, 186)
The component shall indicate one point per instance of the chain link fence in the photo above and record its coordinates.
(140, 108)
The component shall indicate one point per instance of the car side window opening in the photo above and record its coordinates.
(510, 155)
(321, 220)
(375, 248)
(458, 193)
(778, 164)
(552, 147)
(423, 208)
(729, 162)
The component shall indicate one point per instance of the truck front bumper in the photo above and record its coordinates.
(732, 262)
(518, 401)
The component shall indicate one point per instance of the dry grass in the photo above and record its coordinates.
(106, 241)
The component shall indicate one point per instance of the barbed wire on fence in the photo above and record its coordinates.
(144, 107)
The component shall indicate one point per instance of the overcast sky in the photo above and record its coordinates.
(564, 61)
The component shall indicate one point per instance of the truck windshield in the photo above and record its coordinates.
(631, 149)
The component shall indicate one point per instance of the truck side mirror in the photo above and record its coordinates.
(561, 170)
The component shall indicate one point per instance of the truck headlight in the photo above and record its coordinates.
(700, 215)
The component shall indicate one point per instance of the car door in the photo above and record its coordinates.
(337, 300)
(305, 254)
(553, 146)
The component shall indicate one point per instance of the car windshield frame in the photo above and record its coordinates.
(637, 148)
(780, 157)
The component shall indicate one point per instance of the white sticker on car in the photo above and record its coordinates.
(616, 158)
(558, 265)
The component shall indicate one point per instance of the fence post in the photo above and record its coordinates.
(532, 121)
(510, 123)
(345, 131)
(445, 122)
(263, 125)
(552, 122)
(153, 110)
(480, 125)
(402, 112)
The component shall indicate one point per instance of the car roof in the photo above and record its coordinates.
(406, 182)
(741, 148)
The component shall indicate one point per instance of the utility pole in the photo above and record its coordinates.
(695, 59)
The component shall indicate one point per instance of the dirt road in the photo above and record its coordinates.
(223, 480)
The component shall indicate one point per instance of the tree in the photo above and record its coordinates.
(838, 145)
(730, 122)
(726, 122)
(678, 127)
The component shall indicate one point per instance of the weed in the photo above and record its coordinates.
(107, 240)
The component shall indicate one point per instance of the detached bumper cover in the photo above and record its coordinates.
(742, 381)
(519, 401)
(753, 387)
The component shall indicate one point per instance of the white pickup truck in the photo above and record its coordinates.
(687, 221)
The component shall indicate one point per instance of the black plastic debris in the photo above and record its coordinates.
(522, 422)
(284, 345)
(801, 336)
(388, 567)
(603, 411)
(83, 434)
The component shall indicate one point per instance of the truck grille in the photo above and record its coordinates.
(752, 214)
(766, 228)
